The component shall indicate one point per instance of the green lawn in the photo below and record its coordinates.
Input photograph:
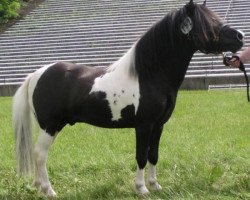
(204, 154)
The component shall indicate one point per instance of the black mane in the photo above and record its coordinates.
(164, 48)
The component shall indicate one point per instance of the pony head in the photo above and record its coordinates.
(207, 31)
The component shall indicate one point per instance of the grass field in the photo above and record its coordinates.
(204, 154)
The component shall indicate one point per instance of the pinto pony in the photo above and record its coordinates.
(137, 91)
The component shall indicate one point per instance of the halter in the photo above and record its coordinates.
(215, 39)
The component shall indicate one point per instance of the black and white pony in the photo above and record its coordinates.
(138, 91)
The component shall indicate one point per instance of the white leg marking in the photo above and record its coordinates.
(41, 180)
(152, 180)
(140, 186)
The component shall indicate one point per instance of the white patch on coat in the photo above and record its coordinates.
(121, 88)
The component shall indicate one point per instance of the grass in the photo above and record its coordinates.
(204, 154)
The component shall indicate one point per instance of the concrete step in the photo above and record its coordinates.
(89, 34)
(105, 23)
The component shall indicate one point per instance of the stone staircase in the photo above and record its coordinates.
(99, 32)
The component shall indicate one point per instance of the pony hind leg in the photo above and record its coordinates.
(153, 158)
(41, 181)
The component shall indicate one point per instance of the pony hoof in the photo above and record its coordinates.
(141, 190)
(154, 186)
(48, 192)
(51, 194)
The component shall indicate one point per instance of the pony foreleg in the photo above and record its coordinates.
(152, 180)
(140, 186)
(153, 158)
(143, 134)
(41, 181)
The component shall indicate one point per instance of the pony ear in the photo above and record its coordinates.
(186, 26)
(204, 3)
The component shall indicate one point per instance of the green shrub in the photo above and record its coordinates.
(8, 10)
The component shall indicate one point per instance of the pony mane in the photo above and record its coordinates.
(163, 44)
(205, 21)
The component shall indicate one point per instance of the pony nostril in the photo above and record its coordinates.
(240, 35)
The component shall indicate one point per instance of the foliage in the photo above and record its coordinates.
(204, 154)
(9, 10)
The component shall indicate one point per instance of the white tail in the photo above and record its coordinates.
(22, 123)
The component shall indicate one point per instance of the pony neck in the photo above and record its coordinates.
(163, 54)
(125, 65)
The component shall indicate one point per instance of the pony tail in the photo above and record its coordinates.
(23, 130)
